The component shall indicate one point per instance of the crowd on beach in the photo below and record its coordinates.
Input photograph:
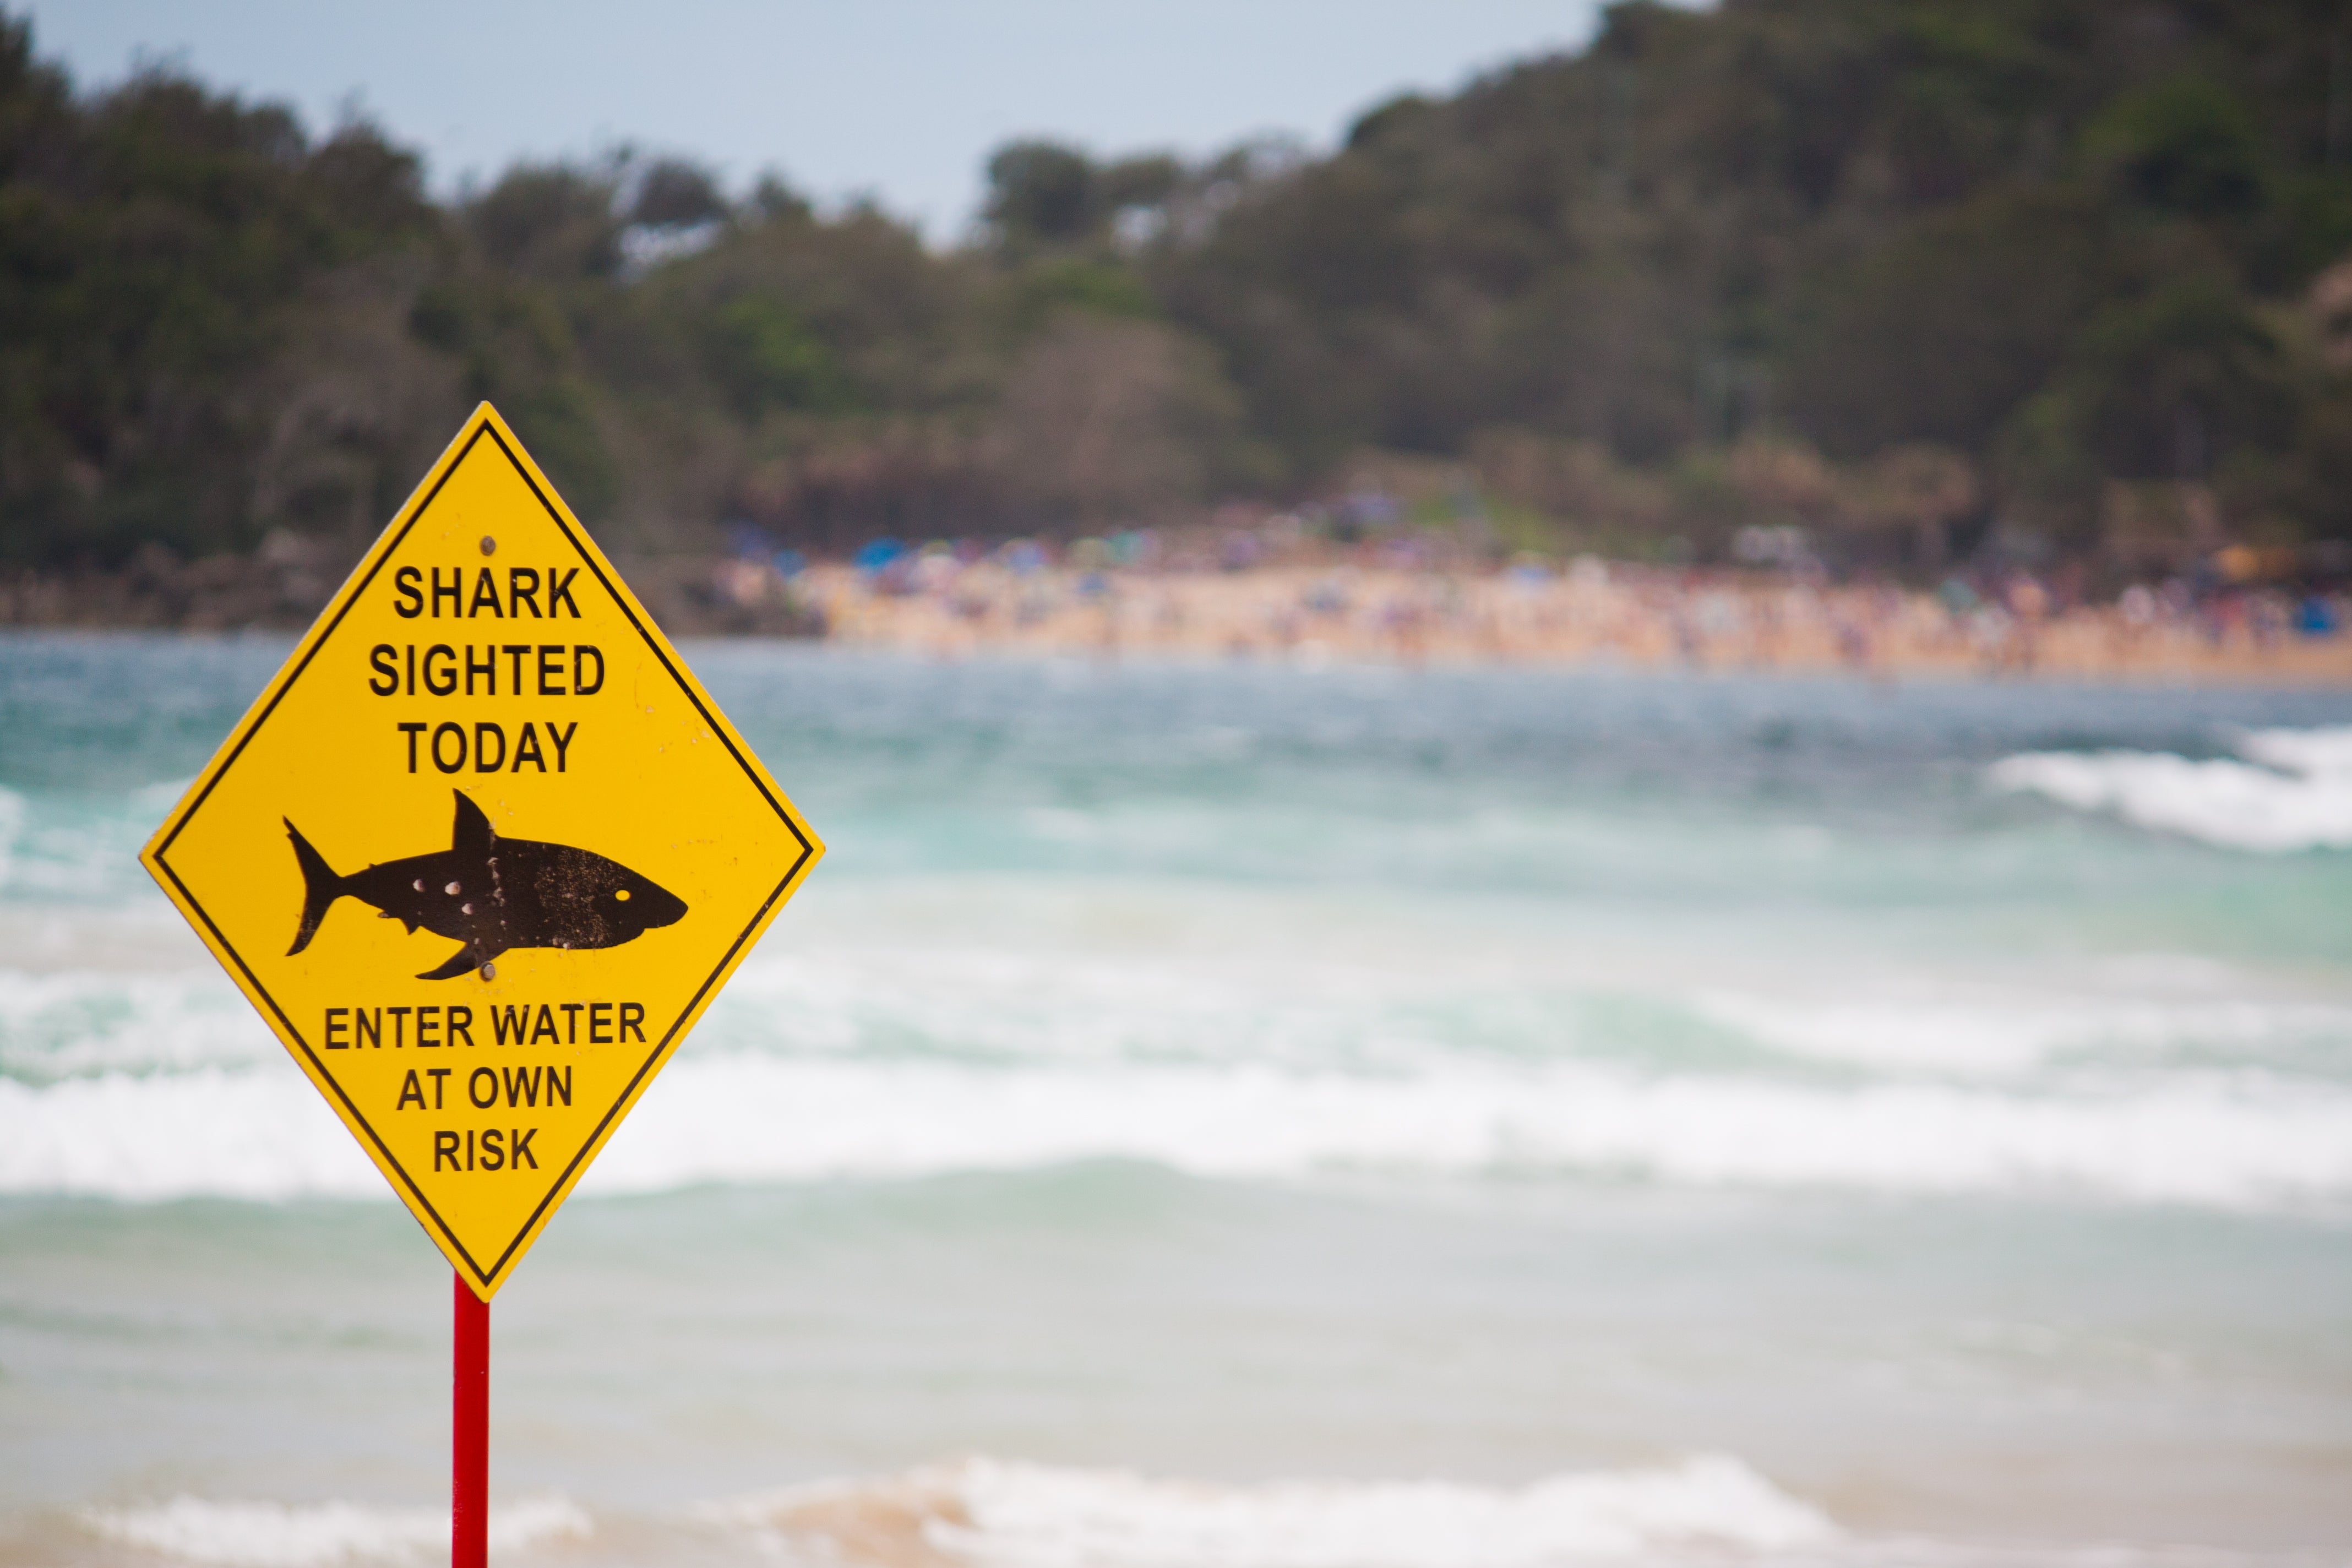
(1282, 588)
(1278, 592)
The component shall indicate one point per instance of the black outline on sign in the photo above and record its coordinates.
(718, 728)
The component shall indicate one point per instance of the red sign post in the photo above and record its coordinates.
(469, 1432)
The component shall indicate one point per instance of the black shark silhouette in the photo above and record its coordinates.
(492, 894)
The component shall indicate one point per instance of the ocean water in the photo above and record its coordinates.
(1248, 1115)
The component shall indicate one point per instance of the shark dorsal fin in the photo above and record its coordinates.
(473, 838)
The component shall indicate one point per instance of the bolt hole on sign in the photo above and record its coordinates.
(482, 852)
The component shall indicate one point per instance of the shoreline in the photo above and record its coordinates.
(1591, 618)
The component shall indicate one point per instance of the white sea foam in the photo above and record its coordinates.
(2242, 1140)
(79, 848)
(2326, 751)
(12, 825)
(57, 1023)
(1047, 999)
(1058, 1002)
(260, 1133)
(314, 1535)
(1000, 1514)
(2296, 792)
(2203, 1141)
(2018, 1036)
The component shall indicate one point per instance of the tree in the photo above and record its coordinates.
(1041, 192)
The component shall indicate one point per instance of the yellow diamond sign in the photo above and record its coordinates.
(482, 852)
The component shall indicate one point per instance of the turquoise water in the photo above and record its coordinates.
(1246, 1114)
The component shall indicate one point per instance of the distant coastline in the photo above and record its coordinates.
(1820, 290)
(1347, 608)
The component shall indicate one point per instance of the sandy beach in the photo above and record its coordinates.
(1591, 614)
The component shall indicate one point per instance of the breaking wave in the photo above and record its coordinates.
(998, 1514)
(2238, 1142)
(994, 1514)
(2292, 791)
(318, 1535)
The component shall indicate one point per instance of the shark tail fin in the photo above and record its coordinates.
(321, 887)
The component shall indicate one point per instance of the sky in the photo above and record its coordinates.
(896, 101)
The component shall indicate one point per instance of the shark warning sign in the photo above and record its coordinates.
(482, 852)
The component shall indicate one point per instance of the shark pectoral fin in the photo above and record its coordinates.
(462, 962)
(468, 957)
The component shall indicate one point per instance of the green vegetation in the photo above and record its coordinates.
(1922, 276)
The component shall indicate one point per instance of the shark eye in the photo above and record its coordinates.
(622, 895)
